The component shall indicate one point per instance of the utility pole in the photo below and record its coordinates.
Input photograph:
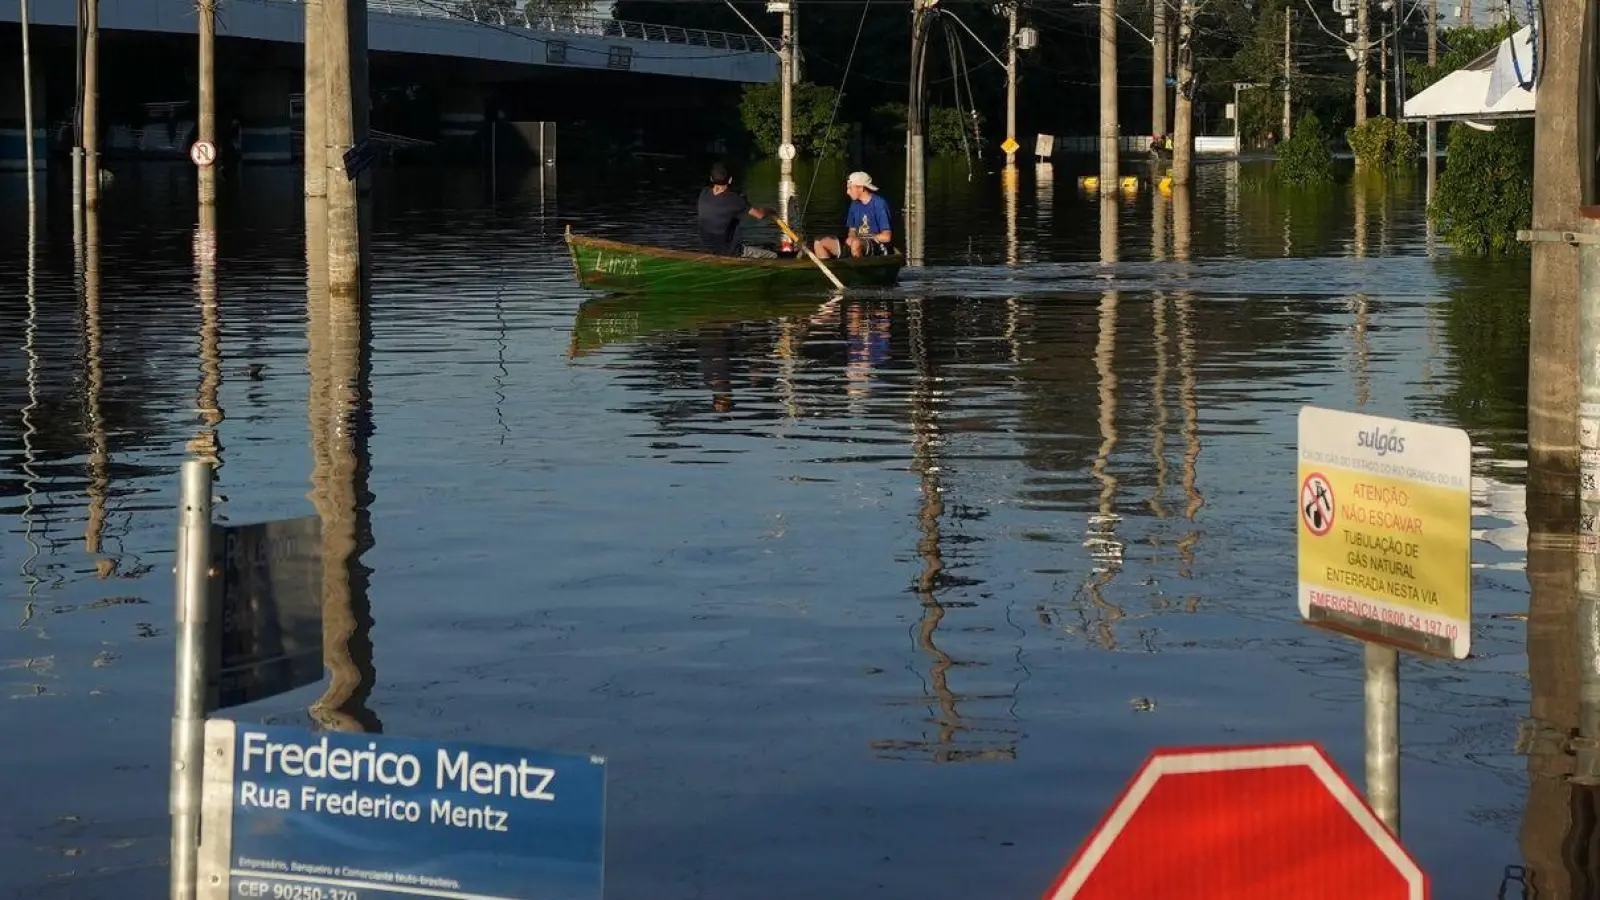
(786, 149)
(206, 126)
(344, 249)
(1361, 62)
(1158, 70)
(1183, 106)
(1288, 70)
(314, 106)
(77, 124)
(27, 120)
(1433, 127)
(1108, 96)
(921, 20)
(1011, 81)
(91, 105)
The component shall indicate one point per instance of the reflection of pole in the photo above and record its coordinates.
(1108, 229)
(1008, 181)
(1180, 221)
(1102, 540)
(94, 382)
(1158, 391)
(338, 344)
(205, 445)
(188, 714)
(1191, 430)
(1158, 226)
(30, 475)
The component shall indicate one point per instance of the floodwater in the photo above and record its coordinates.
(884, 597)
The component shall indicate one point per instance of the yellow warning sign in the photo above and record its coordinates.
(1384, 522)
(1009, 145)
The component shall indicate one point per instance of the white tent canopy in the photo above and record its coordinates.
(1489, 87)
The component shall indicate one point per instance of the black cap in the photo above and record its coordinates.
(719, 174)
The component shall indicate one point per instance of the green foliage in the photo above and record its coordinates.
(1305, 157)
(946, 128)
(1485, 192)
(1381, 141)
(761, 111)
(1460, 46)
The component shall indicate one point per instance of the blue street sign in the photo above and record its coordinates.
(351, 816)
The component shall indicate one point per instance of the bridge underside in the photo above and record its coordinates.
(429, 98)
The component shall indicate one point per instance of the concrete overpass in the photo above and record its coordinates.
(454, 43)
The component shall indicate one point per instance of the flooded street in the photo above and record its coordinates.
(884, 597)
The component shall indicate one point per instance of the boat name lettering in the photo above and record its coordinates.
(616, 265)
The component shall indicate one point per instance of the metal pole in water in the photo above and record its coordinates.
(1381, 680)
(77, 126)
(91, 104)
(1109, 127)
(188, 707)
(206, 125)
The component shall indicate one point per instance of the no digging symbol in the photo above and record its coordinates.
(1316, 503)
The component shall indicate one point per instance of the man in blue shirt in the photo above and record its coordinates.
(866, 222)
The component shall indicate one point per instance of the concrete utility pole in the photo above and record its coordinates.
(1183, 106)
(1288, 71)
(1108, 96)
(1360, 46)
(206, 126)
(1011, 81)
(91, 104)
(786, 149)
(314, 106)
(921, 20)
(77, 125)
(1433, 127)
(1158, 69)
(1562, 183)
(344, 243)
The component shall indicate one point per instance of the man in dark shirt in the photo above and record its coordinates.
(721, 209)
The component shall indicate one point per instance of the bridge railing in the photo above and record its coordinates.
(590, 26)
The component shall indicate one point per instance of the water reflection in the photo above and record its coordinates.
(339, 342)
(30, 479)
(207, 445)
(587, 552)
(1559, 818)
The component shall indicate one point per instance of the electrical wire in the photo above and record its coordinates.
(838, 96)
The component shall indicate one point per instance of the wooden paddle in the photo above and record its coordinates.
(800, 245)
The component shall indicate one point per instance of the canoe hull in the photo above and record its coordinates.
(632, 268)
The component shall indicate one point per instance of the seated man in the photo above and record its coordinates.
(721, 209)
(866, 221)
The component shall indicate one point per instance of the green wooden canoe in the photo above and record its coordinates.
(627, 318)
(616, 266)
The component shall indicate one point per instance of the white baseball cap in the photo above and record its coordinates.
(862, 179)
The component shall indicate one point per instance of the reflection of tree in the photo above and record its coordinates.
(1191, 434)
(1560, 839)
(340, 404)
(1486, 330)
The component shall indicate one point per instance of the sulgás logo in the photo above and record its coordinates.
(1383, 443)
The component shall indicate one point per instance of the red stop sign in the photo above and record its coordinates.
(1241, 823)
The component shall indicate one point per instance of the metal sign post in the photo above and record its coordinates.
(191, 576)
